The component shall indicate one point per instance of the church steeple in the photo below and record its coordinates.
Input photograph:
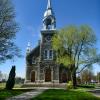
(49, 21)
(49, 4)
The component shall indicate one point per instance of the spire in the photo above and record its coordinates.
(28, 49)
(49, 20)
(49, 4)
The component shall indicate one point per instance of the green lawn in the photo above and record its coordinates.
(16, 91)
(66, 95)
(2, 85)
(9, 93)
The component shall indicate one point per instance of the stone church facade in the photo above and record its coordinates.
(41, 66)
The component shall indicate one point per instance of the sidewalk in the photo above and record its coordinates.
(95, 92)
(27, 95)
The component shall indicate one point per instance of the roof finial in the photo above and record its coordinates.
(28, 48)
(49, 4)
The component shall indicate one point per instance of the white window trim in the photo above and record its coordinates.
(48, 54)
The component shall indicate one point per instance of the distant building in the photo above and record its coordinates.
(41, 65)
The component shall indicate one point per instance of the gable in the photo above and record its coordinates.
(34, 53)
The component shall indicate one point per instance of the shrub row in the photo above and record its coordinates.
(86, 86)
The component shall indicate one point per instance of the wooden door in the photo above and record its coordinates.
(33, 76)
(48, 75)
(64, 78)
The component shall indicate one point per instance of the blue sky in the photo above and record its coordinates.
(29, 15)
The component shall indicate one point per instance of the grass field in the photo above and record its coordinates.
(77, 94)
(9, 93)
(66, 95)
(2, 85)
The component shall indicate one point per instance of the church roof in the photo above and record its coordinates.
(34, 53)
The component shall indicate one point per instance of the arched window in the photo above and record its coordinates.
(50, 54)
(45, 54)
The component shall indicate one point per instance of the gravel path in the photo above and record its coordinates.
(95, 92)
(27, 95)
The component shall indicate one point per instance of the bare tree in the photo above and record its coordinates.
(8, 29)
(87, 76)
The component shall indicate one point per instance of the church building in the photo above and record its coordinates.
(41, 66)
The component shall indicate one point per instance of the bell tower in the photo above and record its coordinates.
(49, 29)
(48, 67)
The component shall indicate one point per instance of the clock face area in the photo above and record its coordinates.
(48, 38)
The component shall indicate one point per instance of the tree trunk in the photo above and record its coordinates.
(74, 80)
(73, 76)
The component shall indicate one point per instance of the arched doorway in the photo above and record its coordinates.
(64, 77)
(48, 75)
(33, 76)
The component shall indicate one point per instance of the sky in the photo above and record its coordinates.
(29, 15)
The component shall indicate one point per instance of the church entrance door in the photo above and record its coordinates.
(33, 76)
(48, 75)
(64, 78)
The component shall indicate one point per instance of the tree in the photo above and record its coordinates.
(11, 80)
(87, 76)
(75, 47)
(8, 29)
